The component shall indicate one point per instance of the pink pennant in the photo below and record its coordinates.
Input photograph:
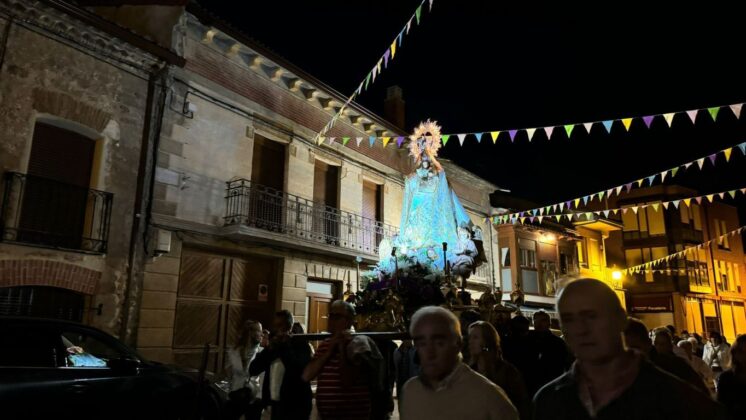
(548, 131)
(692, 114)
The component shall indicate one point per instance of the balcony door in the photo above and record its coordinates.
(56, 191)
(268, 183)
(326, 199)
(373, 216)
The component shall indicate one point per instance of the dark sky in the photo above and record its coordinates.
(482, 65)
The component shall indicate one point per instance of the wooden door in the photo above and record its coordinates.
(266, 209)
(326, 198)
(217, 294)
(56, 190)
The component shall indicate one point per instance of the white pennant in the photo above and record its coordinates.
(461, 138)
(606, 213)
(619, 189)
(701, 163)
(663, 175)
(588, 127)
(530, 132)
(358, 140)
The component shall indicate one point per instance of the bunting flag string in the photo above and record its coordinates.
(514, 134)
(370, 78)
(607, 192)
(640, 268)
(591, 215)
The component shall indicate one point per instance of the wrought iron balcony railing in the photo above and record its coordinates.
(257, 206)
(52, 214)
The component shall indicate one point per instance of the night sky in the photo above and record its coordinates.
(488, 65)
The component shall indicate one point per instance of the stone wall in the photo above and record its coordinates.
(44, 78)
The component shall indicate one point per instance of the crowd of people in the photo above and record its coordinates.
(606, 365)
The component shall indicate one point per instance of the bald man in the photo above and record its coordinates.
(608, 381)
(446, 388)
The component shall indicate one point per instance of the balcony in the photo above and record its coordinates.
(254, 210)
(50, 214)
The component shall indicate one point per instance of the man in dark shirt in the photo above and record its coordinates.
(607, 381)
(553, 358)
(282, 361)
(660, 352)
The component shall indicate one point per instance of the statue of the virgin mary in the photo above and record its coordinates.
(431, 213)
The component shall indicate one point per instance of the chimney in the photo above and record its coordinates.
(393, 106)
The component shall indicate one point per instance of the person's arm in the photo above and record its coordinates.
(262, 361)
(323, 353)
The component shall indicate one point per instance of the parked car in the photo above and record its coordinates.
(60, 369)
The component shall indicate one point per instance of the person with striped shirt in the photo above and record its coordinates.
(347, 369)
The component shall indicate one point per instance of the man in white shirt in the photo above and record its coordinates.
(717, 353)
(447, 388)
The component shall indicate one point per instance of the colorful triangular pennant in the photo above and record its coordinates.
(478, 136)
(714, 112)
(736, 108)
(461, 138)
(669, 118)
(494, 135)
(568, 129)
(727, 153)
(548, 131)
(530, 132)
(512, 135)
(607, 125)
(648, 120)
(386, 141)
(627, 122)
(358, 140)
(444, 138)
(692, 115)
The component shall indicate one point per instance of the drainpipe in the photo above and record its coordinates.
(156, 100)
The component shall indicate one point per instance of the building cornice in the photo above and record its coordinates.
(75, 26)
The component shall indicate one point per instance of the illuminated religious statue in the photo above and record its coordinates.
(431, 215)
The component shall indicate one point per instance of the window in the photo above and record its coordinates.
(721, 229)
(28, 347)
(696, 217)
(83, 350)
(725, 277)
(505, 257)
(637, 256)
(696, 268)
(644, 223)
(528, 253)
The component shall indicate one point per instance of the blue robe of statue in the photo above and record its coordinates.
(431, 215)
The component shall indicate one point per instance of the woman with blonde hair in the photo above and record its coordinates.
(244, 398)
(486, 358)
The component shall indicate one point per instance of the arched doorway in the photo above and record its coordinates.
(42, 301)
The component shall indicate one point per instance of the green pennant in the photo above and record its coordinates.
(417, 13)
(345, 140)
(732, 193)
(444, 137)
(568, 129)
(367, 81)
(674, 170)
(714, 112)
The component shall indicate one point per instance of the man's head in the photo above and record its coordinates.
(671, 329)
(341, 316)
(592, 320)
(542, 321)
(519, 325)
(437, 336)
(738, 353)
(716, 338)
(686, 345)
(467, 318)
(662, 341)
(636, 336)
(283, 322)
